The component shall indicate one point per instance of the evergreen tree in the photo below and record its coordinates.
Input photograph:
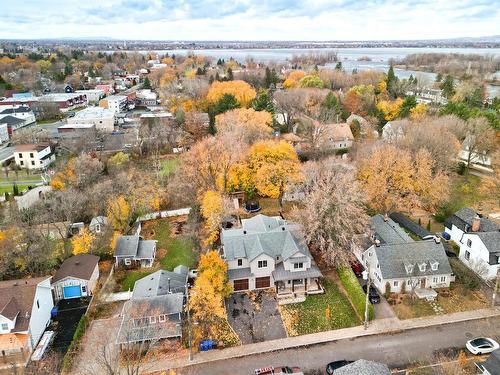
(263, 102)
(448, 86)
(199, 72)
(15, 190)
(147, 83)
(409, 103)
(338, 66)
(439, 77)
(391, 81)
(230, 76)
(226, 103)
(211, 121)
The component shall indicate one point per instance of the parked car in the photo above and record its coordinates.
(481, 345)
(332, 366)
(357, 268)
(270, 370)
(71, 114)
(373, 296)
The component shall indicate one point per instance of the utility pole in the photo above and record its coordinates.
(367, 300)
(495, 291)
(190, 330)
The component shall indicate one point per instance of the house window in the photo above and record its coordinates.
(422, 267)
(467, 255)
(396, 283)
(161, 318)
(31, 155)
(469, 242)
(38, 303)
(443, 279)
(84, 289)
(262, 264)
(32, 162)
(434, 280)
(434, 266)
(21, 162)
(20, 156)
(378, 265)
(152, 319)
(240, 262)
(298, 265)
(5, 326)
(98, 228)
(408, 282)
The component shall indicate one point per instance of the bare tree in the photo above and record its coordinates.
(333, 212)
(479, 140)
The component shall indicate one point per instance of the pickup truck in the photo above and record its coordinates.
(270, 370)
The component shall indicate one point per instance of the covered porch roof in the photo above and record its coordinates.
(280, 274)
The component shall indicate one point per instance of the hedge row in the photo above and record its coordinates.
(355, 292)
(75, 343)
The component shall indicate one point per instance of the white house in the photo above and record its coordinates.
(393, 131)
(336, 137)
(23, 113)
(103, 119)
(76, 277)
(25, 307)
(270, 252)
(479, 241)
(115, 103)
(4, 132)
(93, 95)
(34, 156)
(98, 224)
(133, 250)
(395, 258)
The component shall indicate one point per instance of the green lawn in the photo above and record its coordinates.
(168, 166)
(9, 189)
(179, 249)
(131, 277)
(464, 192)
(312, 316)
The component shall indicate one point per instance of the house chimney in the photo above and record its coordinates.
(476, 223)
(386, 217)
(377, 242)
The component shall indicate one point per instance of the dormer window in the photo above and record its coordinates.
(434, 266)
(240, 262)
(409, 268)
(422, 267)
(298, 265)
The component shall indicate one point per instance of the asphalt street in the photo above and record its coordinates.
(396, 350)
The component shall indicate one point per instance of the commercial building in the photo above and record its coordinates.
(103, 119)
(115, 103)
(93, 96)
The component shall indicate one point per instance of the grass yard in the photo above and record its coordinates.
(172, 249)
(412, 308)
(168, 166)
(313, 316)
(9, 188)
(270, 207)
(130, 277)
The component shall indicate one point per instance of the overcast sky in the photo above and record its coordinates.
(249, 20)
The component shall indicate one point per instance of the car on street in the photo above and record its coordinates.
(481, 345)
(332, 366)
(283, 370)
(373, 296)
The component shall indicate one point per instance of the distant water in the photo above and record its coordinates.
(350, 57)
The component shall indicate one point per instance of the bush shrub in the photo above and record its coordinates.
(387, 293)
(355, 292)
(465, 276)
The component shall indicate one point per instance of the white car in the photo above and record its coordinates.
(481, 345)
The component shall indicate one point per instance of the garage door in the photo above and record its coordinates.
(240, 284)
(262, 282)
(72, 291)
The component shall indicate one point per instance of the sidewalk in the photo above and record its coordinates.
(376, 327)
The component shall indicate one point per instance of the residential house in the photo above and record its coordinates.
(335, 137)
(11, 124)
(363, 367)
(146, 98)
(393, 131)
(395, 258)
(103, 119)
(428, 96)
(57, 230)
(151, 319)
(482, 159)
(270, 252)
(367, 130)
(23, 113)
(33, 196)
(492, 365)
(162, 282)
(4, 132)
(98, 224)
(76, 277)
(25, 307)
(107, 88)
(34, 156)
(65, 101)
(479, 241)
(133, 250)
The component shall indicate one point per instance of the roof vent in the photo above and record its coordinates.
(244, 232)
(283, 229)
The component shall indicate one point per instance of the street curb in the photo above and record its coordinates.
(267, 346)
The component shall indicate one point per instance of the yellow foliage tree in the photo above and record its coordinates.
(190, 74)
(245, 123)
(118, 212)
(391, 109)
(418, 112)
(114, 238)
(293, 79)
(168, 75)
(167, 60)
(242, 91)
(212, 210)
(82, 243)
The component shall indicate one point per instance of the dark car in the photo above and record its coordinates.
(332, 366)
(357, 268)
(373, 296)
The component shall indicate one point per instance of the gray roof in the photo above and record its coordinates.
(11, 120)
(263, 235)
(393, 259)
(280, 274)
(239, 273)
(126, 246)
(21, 109)
(136, 325)
(146, 249)
(388, 231)
(135, 246)
(363, 367)
(103, 220)
(410, 225)
(492, 364)
(462, 219)
(492, 242)
(160, 283)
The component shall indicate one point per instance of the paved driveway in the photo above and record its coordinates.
(383, 310)
(255, 316)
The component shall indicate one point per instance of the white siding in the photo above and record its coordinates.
(479, 256)
(40, 313)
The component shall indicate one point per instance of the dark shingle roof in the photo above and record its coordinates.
(22, 109)
(388, 231)
(80, 266)
(393, 259)
(462, 219)
(239, 273)
(410, 225)
(11, 120)
(492, 364)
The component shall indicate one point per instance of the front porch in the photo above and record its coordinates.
(296, 290)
